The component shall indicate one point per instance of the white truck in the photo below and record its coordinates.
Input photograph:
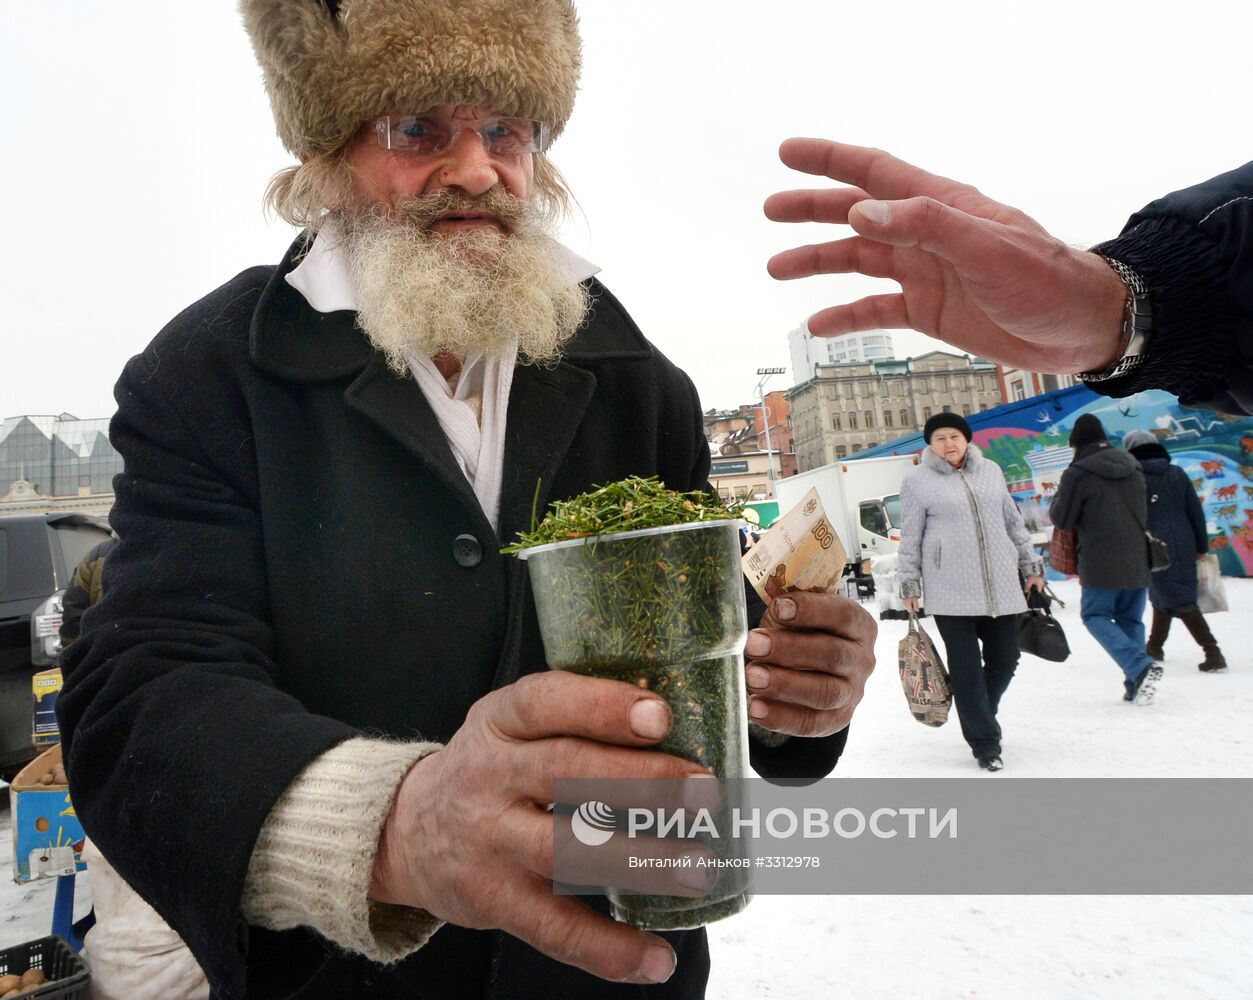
(862, 498)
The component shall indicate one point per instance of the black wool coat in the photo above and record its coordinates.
(301, 560)
(1101, 496)
(1178, 519)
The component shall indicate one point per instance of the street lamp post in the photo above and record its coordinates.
(766, 374)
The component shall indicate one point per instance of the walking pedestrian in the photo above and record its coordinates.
(1101, 496)
(1176, 517)
(963, 546)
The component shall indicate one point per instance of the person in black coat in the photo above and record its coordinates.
(311, 720)
(1177, 518)
(1101, 497)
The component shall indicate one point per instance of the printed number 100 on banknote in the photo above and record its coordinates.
(801, 551)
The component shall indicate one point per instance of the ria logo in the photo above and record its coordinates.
(592, 823)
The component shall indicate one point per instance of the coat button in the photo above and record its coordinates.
(467, 551)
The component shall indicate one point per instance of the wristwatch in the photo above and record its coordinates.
(1137, 324)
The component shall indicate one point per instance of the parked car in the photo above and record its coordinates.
(38, 556)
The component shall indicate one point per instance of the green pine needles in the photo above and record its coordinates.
(626, 505)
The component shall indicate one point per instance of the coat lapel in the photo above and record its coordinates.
(546, 406)
(398, 407)
(292, 340)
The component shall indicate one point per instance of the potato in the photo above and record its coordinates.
(33, 977)
(9, 983)
(11, 993)
(46, 779)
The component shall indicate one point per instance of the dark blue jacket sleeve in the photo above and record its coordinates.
(1194, 251)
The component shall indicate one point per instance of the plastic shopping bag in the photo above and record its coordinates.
(1211, 596)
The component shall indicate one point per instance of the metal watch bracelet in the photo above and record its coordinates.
(1136, 324)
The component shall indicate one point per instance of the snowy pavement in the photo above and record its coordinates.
(1059, 720)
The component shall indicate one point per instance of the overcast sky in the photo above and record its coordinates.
(138, 141)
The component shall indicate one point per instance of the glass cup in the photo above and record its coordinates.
(661, 608)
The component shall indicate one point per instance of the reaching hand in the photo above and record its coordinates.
(975, 273)
(808, 663)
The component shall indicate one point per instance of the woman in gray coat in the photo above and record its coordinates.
(963, 546)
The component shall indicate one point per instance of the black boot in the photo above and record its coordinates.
(1199, 627)
(1157, 635)
(991, 761)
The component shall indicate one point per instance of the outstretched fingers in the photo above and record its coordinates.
(853, 255)
(880, 174)
(875, 312)
(964, 240)
(813, 206)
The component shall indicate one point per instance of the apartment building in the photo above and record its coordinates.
(846, 408)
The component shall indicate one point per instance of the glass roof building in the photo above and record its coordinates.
(62, 456)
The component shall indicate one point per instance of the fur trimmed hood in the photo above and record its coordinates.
(330, 66)
(974, 455)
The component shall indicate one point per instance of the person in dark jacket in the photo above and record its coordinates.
(312, 723)
(84, 590)
(1167, 304)
(1101, 496)
(1177, 518)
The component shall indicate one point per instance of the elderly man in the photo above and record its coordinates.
(310, 721)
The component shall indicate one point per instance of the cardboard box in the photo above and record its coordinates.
(47, 837)
(45, 686)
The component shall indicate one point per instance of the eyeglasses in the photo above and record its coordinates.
(425, 135)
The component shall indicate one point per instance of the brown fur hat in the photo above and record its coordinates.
(329, 65)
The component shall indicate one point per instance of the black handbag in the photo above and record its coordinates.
(1159, 552)
(1039, 633)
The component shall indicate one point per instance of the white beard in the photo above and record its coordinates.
(463, 292)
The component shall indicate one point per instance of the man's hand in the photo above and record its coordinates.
(1035, 583)
(978, 274)
(469, 838)
(808, 663)
(913, 605)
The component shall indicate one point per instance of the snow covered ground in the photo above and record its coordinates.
(1058, 719)
(1063, 719)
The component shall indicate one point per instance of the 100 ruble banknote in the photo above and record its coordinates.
(801, 551)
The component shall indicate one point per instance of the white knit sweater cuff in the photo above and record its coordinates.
(313, 860)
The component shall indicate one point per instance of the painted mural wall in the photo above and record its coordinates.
(1027, 439)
